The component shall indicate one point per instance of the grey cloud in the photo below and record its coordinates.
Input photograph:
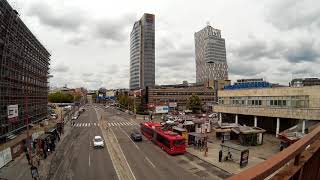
(76, 40)
(69, 20)
(177, 57)
(304, 51)
(60, 68)
(255, 49)
(245, 69)
(87, 74)
(287, 14)
(113, 30)
(112, 69)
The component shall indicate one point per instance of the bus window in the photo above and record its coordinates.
(178, 142)
(163, 141)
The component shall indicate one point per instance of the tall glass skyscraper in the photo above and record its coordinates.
(142, 53)
(211, 60)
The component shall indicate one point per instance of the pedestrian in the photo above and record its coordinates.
(44, 152)
(199, 143)
(34, 172)
(37, 160)
(28, 157)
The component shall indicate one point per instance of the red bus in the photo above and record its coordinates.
(169, 141)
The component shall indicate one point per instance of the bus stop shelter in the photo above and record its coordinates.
(234, 152)
(195, 137)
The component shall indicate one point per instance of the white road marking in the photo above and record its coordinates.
(150, 162)
(129, 138)
(123, 155)
(89, 159)
(88, 124)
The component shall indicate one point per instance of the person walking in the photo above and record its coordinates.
(28, 157)
(34, 172)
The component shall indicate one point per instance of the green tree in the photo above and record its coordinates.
(77, 98)
(59, 97)
(125, 102)
(194, 103)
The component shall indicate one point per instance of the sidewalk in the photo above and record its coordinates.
(257, 154)
(19, 169)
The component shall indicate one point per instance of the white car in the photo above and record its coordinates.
(74, 117)
(98, 142)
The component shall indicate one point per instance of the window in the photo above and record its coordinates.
(178, 142)
(163, 141)
(284, 103)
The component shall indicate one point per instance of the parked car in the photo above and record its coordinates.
(98, 142)
(74, 117)
(136, 136)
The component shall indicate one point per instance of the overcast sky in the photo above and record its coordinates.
(89, 40)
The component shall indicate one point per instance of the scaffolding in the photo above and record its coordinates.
(24, 67)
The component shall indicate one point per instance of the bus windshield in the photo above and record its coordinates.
(178, 142)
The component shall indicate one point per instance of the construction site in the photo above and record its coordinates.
(24, 68)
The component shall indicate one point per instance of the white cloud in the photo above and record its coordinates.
(89, 42)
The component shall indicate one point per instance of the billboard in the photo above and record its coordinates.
(162, 109)
(172, 104)
(13, 112)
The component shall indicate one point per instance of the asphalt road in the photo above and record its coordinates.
(146, 160)
(80, 160)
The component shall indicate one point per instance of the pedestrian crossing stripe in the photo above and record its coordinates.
(110, 124)
(121, 124)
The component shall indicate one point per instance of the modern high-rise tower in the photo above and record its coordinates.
(210, 50)
(142, 53)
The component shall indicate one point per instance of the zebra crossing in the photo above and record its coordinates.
(110, 124)
(86, 124)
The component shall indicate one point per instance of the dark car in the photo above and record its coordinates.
(136, 136)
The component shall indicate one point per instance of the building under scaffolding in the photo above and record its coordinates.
(24, 65)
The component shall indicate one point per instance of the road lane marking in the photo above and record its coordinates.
(55, 173)
(129, 138)
(150, 162)
(86, 124)
(123, 154)
(89, 125)
(89, 159)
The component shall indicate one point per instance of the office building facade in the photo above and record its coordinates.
(142, 53)
(24, 66)
(210, 50)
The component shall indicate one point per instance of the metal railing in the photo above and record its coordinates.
(294, 151)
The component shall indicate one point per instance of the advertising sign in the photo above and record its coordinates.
(244, 158)
(12, 111)
(5, 157)
(172, 104)
(162, 109)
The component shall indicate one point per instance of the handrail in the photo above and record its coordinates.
(269, 166)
